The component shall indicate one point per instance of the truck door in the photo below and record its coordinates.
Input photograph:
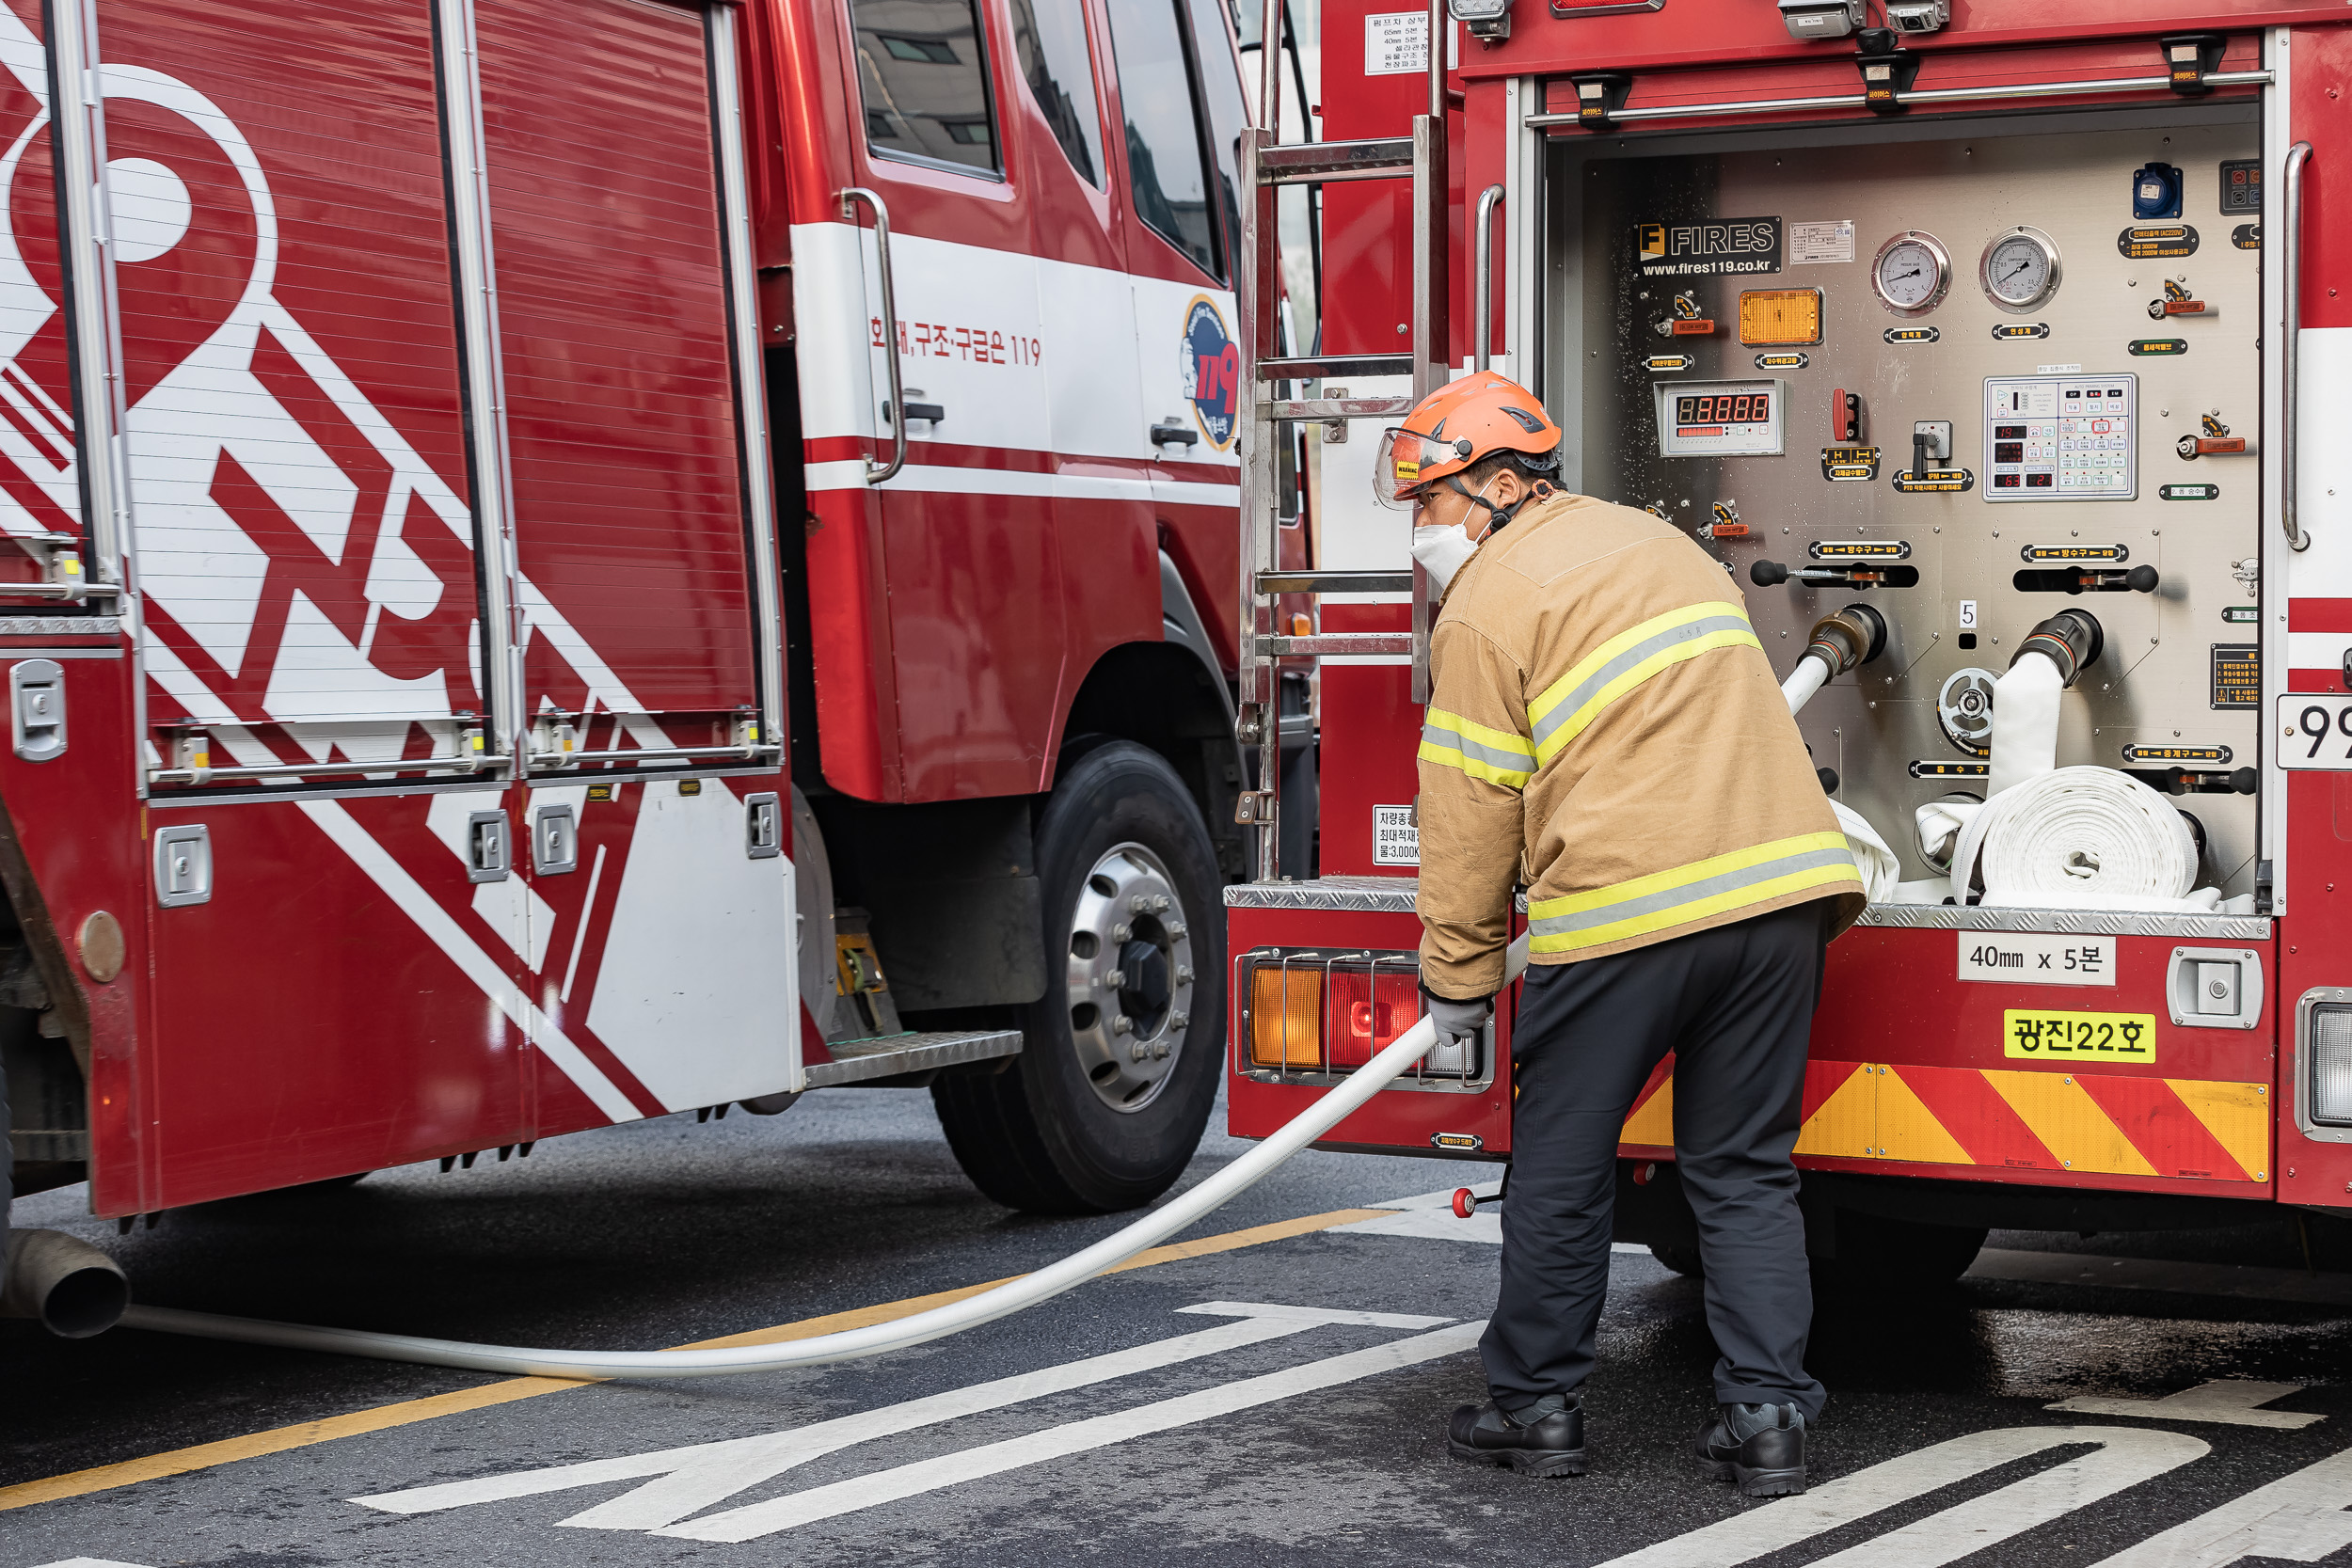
(324, 995)
(653, 905)
(1182, 110)
(974, 599)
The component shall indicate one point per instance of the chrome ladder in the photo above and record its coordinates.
(1267, 410)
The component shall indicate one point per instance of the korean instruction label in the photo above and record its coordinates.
(2039, 1036)
(2036, 958)
(1395, 838)
(1396, 43)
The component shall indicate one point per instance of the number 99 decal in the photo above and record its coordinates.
(2313, 730)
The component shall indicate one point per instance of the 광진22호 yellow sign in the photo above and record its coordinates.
(2035, 1035)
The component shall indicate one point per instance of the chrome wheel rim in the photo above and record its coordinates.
(1129, 981)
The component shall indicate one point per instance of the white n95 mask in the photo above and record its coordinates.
(1441, 551)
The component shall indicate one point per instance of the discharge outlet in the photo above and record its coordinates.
(1840, 642)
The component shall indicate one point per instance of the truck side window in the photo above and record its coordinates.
(923, 75)
(1167, 151)
(1220, 87)
(1050, 38)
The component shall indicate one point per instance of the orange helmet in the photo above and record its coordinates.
(1456, 426)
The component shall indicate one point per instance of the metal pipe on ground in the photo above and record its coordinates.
(852, 1344)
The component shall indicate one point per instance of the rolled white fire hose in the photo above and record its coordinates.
(1012, 1296)
(2085, 838)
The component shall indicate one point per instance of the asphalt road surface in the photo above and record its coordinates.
(1273, 1395)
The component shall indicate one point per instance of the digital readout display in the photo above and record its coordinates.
(1725, 409)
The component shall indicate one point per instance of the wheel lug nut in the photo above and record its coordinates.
(1136, 1052)
(1122, 1024)
(1177, 1022)
(1116, 979)
(1120, 933)
(1139, 903)
(1159, 1051)
(1160, 904)
(1183, 974)
(1175, 932)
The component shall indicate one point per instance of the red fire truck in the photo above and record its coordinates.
(578, 560)
(1965, 311)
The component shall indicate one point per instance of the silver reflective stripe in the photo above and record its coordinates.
(1453, 740)
(1686, 892)
(1573, 703)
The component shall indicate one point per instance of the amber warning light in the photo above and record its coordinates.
(1778, 317)
(1313, 1012)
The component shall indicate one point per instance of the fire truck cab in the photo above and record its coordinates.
(1937, 323)
(578, 560)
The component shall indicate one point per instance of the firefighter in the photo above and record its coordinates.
(1605, 730)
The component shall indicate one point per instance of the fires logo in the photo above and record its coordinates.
(1211, 370)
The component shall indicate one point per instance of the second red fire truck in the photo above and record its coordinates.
(1936, 321)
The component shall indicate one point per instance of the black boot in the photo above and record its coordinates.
(1545, 1439)
(1759, 1446)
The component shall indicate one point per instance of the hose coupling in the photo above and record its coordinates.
(2070, 639)
(1846, 638)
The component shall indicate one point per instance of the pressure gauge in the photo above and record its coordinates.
(2020, 269)
(1912, 272)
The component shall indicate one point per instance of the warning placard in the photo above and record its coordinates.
(1395, 839)
(2238, 674)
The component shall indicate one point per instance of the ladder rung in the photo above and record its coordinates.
(1325, 366)
(1310, 162)
(1335, 582)
(1325, 643)
(1337, 409)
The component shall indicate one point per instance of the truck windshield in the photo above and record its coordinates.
(1167, 149)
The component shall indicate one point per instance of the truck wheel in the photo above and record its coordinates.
(1106, 1103)
(1684, 1260)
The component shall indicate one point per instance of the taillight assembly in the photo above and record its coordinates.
(1316, 1013)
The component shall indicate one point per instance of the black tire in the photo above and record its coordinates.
(1075, 1125)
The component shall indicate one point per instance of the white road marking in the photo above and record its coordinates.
(688, 1479)
(91, 1562)
(2298, 1517)
(930, 1475)
(2231, 1402)
(2125, 1457)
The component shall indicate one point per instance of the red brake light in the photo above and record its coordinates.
(1367, 1013)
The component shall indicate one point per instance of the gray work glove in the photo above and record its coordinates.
(1457, 1021)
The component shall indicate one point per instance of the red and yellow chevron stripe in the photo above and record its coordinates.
(2103, 1124)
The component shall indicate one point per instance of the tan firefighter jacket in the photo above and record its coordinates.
(1602, 716)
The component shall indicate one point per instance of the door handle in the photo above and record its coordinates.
(1173, 432)
(1484, 320)
(932, 411)
(2291, 372)
(877, 472)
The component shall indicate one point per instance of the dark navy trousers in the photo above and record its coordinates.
(1735, 1005)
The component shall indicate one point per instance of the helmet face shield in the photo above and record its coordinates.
(1405, 462)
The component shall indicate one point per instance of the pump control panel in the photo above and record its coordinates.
(2061, 437)
(1943, 439)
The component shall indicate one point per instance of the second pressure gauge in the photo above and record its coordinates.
(2020, 269)
(1912, 272)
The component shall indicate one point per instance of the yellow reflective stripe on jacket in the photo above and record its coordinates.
(1570, 705)
(1687, 892)
(1497, 757)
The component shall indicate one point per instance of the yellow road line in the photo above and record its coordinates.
(103, 1478)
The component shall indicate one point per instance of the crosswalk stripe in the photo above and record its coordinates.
(930, 1475)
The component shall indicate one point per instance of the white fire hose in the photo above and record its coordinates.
(852, 1344)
